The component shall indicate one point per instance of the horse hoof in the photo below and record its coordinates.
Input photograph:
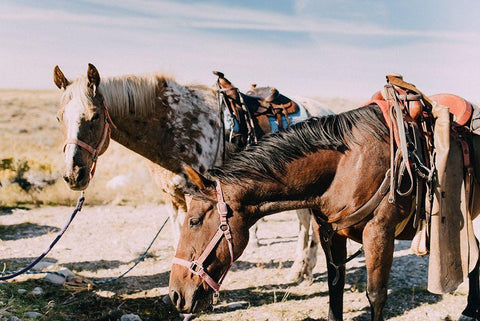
(465, 318)
(295, 277)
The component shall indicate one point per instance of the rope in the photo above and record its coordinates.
(76, 280)
(11, 275)
(141, 258)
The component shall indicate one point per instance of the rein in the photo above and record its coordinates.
(77, 209)
(94, 151)
(196, 266)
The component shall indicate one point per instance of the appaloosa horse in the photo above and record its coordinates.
(169, 124)
(334, 165)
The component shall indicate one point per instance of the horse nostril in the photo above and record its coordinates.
(175, 297)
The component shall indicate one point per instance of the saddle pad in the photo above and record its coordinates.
(298, 116)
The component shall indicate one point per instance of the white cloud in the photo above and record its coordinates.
(182, 39)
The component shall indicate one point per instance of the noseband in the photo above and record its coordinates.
(196, 266)
(94, 151)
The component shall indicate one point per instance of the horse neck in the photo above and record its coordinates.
(175, 125)
(300, 185)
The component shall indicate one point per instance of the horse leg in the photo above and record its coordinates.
(471, 312)
(337, 247)
(378, 243)
(171, 184)
(306, 252)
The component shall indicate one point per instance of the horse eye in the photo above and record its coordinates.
(96, 116)
(58, 119)
(194, 222)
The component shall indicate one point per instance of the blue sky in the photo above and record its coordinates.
(306, 47)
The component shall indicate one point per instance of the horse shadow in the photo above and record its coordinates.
(245, 265)
(24, 231)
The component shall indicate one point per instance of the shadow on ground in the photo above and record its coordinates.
(25, 230)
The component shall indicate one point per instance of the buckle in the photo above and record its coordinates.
(222, 208)
(215, 297)
(224, 227)
(195, 267)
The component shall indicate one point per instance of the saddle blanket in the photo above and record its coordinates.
(294, 118)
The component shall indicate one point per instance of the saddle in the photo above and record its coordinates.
(459, 107)
(421, 160)
(252, 109)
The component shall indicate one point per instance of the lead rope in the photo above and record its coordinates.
(11, 275)
(76, 281)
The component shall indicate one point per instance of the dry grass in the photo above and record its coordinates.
(30, 133)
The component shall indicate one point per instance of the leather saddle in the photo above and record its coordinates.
(460, 108)
(252, 109)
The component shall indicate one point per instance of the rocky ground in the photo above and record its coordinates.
(104, 241)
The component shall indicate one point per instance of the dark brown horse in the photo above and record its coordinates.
(334, 165)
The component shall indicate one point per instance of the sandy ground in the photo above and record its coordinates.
(103, 241)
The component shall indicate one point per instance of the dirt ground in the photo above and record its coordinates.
(103, 241)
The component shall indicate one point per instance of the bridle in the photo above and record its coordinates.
(196, 266)
(94, 151)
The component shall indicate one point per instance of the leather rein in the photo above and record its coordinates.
(94, 151)
(197, 266)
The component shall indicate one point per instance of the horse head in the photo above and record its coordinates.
(213, 235)
(85, 125)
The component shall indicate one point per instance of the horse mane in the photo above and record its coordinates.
(333, 132)
(137, 93)
(123, 94)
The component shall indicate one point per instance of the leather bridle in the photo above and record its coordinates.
(94, 151)
(196, 266)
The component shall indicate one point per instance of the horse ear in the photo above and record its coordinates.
(59, 78)
(197, 178)
(93, 76)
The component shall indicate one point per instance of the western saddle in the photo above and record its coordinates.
(251, 110)
(408, 114)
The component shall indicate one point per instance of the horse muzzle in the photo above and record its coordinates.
(191, 299)
(77, 178)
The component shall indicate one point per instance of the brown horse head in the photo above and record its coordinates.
(85, 125)
(200, 252)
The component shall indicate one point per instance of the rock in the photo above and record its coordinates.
(166, 300)
(21, 291)
(54, 279)
(114, 314)
(58, 279)
(37, 291)
(130, 317)
(188, 316)
(66, 272)
(33, 315)
(42, 266)
(13, 318)
(237, 305)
